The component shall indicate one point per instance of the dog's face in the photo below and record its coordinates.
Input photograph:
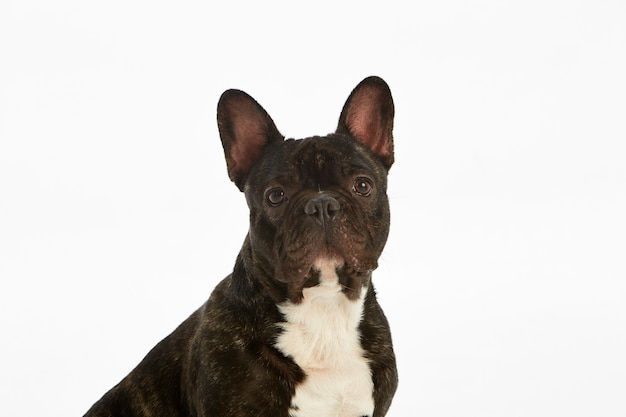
(316, 200)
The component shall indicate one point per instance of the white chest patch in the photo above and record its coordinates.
(321, 335)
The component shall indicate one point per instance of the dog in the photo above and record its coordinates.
(295, 330)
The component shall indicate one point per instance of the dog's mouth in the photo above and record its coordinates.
(299, 261)
(350, 262)
(309, 267)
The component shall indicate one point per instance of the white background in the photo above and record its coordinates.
(504, 277)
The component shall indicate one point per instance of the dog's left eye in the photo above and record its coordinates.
(276, 196)
(362, 187)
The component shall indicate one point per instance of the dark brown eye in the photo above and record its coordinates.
(362, 187)
(276, 196)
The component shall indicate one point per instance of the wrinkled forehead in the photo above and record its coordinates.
(321, 160)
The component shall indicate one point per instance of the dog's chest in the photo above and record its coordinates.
(321, 335)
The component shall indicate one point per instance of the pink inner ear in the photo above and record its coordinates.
(366, 123)
(250, 133)
(366, 127)
(244, 152)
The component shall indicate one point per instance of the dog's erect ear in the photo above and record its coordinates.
(245, 129)
(368, 116)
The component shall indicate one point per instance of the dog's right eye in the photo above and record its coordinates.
(275, 196)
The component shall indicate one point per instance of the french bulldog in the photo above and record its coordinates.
(295, 330)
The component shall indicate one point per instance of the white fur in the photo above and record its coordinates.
(321, 335)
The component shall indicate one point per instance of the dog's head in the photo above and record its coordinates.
(314, 200)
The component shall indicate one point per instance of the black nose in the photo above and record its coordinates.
(323, 207)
